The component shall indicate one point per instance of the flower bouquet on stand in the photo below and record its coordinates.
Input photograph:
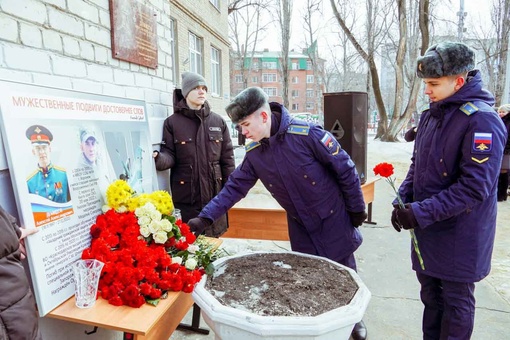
(146, 251)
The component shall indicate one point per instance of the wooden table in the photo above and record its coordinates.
(145, 323)
(260, 218)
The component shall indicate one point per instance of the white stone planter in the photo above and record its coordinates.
(233, 324)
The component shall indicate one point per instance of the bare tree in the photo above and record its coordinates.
(245, 25)
(283, 18)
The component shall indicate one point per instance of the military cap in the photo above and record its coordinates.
(445, 59)
(38, 134)
(245, 103)
(86, 134)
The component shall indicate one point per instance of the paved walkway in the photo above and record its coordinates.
(384, 265)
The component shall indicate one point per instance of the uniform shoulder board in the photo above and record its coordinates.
(250, 146)
(299, 129)
(59, 168)
(469, 108)
(29, 177)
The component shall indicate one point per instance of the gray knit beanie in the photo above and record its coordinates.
(191, 80)
(245, 103)
(445, 59)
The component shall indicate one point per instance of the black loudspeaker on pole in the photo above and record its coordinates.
(345, 116)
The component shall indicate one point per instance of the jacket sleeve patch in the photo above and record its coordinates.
(482, 142)
(330, 143)
(480, 161)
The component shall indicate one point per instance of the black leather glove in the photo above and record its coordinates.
(406, 217)
(394, 219)
(198, 224)
(357, 218)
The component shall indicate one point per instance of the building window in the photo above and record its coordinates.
(309, 78)
(268, 77)
(295, 107)
(215, 71)
(309, 93)
(255, 79)
(271, 91)
(195, 54)
(295, 66)
(255, 66)
(295, 93)
(310, 106)
(295, 80)
(173, 53)
(216, 3)
(270, 65)
(308, 65)
(239, 78)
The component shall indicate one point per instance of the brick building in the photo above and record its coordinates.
(263, 70)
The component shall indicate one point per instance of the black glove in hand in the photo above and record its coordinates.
(357, 218)
(394, 219)
(198, 224)
(406, 217)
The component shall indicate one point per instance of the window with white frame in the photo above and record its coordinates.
(271, 91)
(295, 93)
(295, 80)
(255, 79)
(309, 78)
(308, 65)
(173, 51)
(216, 3)
(295, 107)
(295, 66)
(309, 93)
(270, 65)
(268, 77)
(310, 105)
(195, 54)
(239, 78)
(215, 87)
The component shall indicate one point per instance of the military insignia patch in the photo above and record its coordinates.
(482, 142)
(469, 108)
(329, 142)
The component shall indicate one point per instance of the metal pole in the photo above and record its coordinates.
(461, 14)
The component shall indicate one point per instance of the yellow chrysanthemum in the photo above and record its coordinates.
(138, 201)
(163, 201)
(118, 194)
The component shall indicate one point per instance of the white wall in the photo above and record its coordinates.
(67, 44)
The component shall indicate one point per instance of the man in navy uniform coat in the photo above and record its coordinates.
(306, 171)
(48, 180)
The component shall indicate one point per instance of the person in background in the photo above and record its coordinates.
(306, 171)
(18, 314)
(197, 148)
(450, 189)
(48, 180)
(503, 111)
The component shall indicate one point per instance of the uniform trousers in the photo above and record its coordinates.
(449, 312)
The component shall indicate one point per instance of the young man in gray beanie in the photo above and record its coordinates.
(306, 171)
(450, 189)
(197, 148)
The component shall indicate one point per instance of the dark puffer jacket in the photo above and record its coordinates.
(18, 316)
(197, 147)
(506, 121)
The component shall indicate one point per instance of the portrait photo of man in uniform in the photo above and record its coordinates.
(47, 180)
(89, 156)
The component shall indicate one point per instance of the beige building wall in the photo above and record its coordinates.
(210, 24)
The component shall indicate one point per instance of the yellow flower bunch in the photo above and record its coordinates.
(121, 197)
(118, 194)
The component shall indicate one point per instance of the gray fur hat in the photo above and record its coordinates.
(191, 80)
(245, 103)
(445, 59)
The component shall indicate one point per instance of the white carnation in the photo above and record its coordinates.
(177, 259)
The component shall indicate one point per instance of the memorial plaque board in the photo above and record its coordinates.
(134, 32)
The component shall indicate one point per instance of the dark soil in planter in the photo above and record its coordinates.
(280, 284)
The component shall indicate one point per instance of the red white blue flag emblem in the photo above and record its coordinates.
(327, 141)
(482, 142)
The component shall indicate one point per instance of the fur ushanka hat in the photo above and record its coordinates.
(245, 103)
(445, 59)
